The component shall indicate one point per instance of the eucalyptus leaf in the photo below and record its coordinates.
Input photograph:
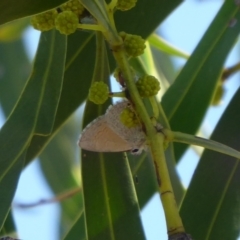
(9, 226)
(187, 100)
(162, 45)
(16, 133)
(12, 10)
(8, 185)
(13, 56)
(77, 231)
(213, 194)
(57, 160)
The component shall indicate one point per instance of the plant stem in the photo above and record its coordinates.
(229, 71)
(174, 222)
(154, 105)
(58, 198)
(94, 27)
(206, 143)
(117, 94)
(155, 140)
(112, 4)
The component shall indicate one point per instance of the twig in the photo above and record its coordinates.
(58, 198)
(229, 71)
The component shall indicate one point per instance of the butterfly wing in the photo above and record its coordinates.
(134, 136)
(99, 137)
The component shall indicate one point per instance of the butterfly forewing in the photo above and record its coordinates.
(98, 137)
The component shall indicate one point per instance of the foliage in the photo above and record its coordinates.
(39, 122)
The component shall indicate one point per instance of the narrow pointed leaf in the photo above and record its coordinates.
(143, 174)
(77, 231)
(145, 17)
(162, 45)
(19, 128)
(13, 56)
(192, 91)
(8, 185)
(80, 55)
(53, 72)
(165, 68)
(11, 9)
(9, 227)
(206, 143)
(112, 210)
(14, 30)
(56, 164)
(213, 195)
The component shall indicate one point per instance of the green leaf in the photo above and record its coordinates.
(77, 75)
(147, 60)
(112, 210)
(9, 227)
(138, 66)
(162, 45)
(165, 69)
(111, 206)
(8, 185)
(205, 143)
(56, 164)
(11, 9)
(145, 17)
(193, 89)
(13, 56)
(18, 130)
(211, 207)
(77, 232)
(143, 174)
(14, 30)
(53, 85)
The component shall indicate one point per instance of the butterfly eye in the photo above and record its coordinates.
(136, 151)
